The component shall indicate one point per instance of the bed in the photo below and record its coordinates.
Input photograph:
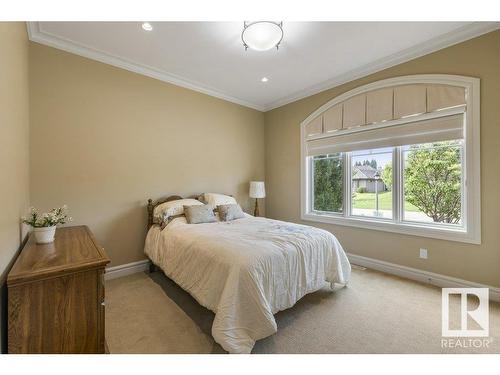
(245, 270)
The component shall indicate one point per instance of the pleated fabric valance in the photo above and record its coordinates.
(433, 130)
(386, 104)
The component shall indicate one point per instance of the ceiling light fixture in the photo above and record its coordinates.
(264, 79)
(262, 35)
(146, 26)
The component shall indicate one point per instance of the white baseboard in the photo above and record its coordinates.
(379, 265)
(420, 275)
(126, 269)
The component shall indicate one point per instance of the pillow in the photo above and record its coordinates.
(168, 220)
(199, 214)
(165, 210)
(228, 212)
(215, 200)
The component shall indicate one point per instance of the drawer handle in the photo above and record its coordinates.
(103, 303)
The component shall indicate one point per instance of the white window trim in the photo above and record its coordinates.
(471, 232)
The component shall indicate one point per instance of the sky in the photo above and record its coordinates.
(383, 156)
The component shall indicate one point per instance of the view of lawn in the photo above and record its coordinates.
(367, 200)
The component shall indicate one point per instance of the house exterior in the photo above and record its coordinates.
(364, 176)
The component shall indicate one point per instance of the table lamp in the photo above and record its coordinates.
(257, 190)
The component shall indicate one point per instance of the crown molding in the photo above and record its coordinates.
(465, 33)
(39, 36)
(462, 34)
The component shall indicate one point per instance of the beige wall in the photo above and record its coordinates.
(14, 147)
(478, 57)
(103, 140)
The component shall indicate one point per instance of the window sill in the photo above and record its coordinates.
(412, 229)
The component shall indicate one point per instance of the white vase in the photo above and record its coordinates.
(45, 234)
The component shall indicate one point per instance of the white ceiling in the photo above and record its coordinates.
(209, 56)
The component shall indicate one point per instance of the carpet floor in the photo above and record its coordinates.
(375, 313)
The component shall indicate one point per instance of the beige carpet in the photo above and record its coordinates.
(376, 313)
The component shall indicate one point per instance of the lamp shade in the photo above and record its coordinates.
(257, 189)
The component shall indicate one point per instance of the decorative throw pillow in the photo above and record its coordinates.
(228, 212)
(168, 219)
(166, 210)
(214, 199)
(199, 214)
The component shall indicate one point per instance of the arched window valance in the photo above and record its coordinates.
(386, 104)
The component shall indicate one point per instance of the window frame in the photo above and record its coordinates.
(349, 193)
(311, 195)
(463, 218)
(470, 232)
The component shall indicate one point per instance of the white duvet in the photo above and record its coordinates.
(246, 270)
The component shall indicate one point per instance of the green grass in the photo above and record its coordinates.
(367, 200)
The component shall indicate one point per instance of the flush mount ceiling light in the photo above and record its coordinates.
(262, 35)
(264, 79)
(146, 26)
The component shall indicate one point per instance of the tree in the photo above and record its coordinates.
(432, 181)
(372, 163)
(387, 176)
(328, 189)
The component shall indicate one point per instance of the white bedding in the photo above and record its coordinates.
(246, 270)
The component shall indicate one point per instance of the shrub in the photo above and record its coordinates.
(362, 190)
(433, 181)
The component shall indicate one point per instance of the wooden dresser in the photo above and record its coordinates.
(56, 295)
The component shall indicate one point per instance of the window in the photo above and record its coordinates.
(417, 174)
(431, 188)
(328, 172)
(371, 183)
(432, 182)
